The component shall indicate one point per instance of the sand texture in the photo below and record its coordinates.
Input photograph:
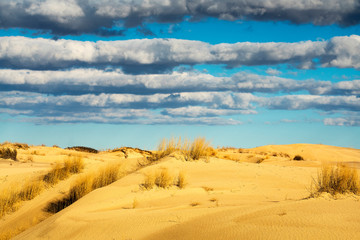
(258, 193)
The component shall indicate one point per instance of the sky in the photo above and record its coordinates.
(244, 73)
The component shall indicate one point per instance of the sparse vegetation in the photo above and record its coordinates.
(336, 179)
(85, 184)
(192, 151)
(260, 160)
(106, 176)
(83, 149)
(298, 158)
(208, 189)
(62, 171)
(11, 197)
(163, 179)
(15, 145)
(181, 182)
(194, 204)
(199, 148)
(8, 153)
(135, 203)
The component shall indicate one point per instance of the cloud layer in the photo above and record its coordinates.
(99, 16)
(183, 107)
(162, 55)
(97, 81)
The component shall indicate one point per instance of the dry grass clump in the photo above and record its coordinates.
(298, 158)
(83, 149)
(199, 148)
(15, 145)
(336, 179)
(105, 177)
(11, 197)
(191, 150)
(30, 190)
(8, 153)
(85, 184)
(163, 179)
(181, 180)
(62, 171)
(194, 204)
(260, 160)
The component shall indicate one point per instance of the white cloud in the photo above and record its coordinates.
(60, 11)
(159, 55)
(342, 121)
(272, 71)
(82, 81)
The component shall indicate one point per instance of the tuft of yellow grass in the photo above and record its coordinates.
(336, 179)
(81, 187)
(11, 197)
(30, 190)
(191, 150)
(163, 179)
(85, 184)
(181, 180)
(106, 176)
(149, 181)
(199, 148)
(72, 165)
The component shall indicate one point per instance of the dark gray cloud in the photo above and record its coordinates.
(162, 55)
(88, 16)
(95, 81)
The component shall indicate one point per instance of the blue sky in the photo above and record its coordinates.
(106, 74)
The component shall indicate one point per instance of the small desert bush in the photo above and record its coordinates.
(30, 190)
(163, 179)
(62, 171)
(106, 176)
(85, 184)
(8, 153)
(166, 147)
(191, 150)
(74, 164)
(149, 181)
(11, 197)
(83, 149)
(336, 179)
(298, 158)
(82, 186)
(199, 148)
(181, 182)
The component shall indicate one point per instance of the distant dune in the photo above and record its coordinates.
(258, 193)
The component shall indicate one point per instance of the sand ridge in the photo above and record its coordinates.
(223, 199)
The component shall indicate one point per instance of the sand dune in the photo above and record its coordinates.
(223, 199)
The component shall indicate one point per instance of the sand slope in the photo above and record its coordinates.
(223, 199)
